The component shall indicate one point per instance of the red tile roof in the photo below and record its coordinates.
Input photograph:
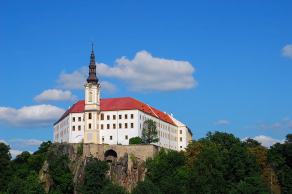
(125, 103)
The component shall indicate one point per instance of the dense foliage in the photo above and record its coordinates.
(135, 140)
(149, 132)
(218, 163)
(96, 181)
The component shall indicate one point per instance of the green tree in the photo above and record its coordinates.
(111, 188)
(146, 187)
(135, 140)
(166, 170)
(149, 133)
(280, 158)
(60, 172)
(94, 176)
(4, 165)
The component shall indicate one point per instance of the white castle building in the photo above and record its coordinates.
(116, 120)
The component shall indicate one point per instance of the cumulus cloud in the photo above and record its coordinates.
(108, 86)
(284, 124)
(25, 142)
(30, 116)
(266, 140)
(287, 51)
(222, 122)
(74, 80)
(77, 79)
(14, 153)
(55, 95)
(3, 141)
(145, 72)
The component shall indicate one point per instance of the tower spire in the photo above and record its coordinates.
(92, 68)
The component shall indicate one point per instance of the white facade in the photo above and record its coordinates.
(117, 127)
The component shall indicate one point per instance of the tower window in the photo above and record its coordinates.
(120, 116)
(132, 116)
(126, 125)
(180, 131)
(114, 126)
(73, 128)
(101, 126)
(111, 137)
(102, 138)
(79, 128)
(73, 119)
(180, 138)
(89, 126)
(126, 116)
(90, 97)
(108, 117)
(120, 125)
(101, 116)
(126, 137)
(114, 117)
(108, 126)
(132, 125)
(89, 116)
(79, 118)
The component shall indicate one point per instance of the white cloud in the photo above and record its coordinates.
(287, 51)
(108, 86)
(284, 125)
(77, 79)
(55, 95)
(74, 80)
(266, 140)
(3, 141)
(25, 142)
(14, 153)
(30, 116)
(146, 72)
(222, 122)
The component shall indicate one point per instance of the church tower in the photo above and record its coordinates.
(92, 104)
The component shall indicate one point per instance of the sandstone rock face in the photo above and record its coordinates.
(127, 171)
(127, 163)
(45, 178)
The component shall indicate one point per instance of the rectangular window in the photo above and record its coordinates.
(89, 116)
(102, 139)
(107, 117)
(73, 128)
(108, 126)
(79, 128)
(114, 117)
(111, 137)
(114, 126)
(79, 118)
(132, 125)
(120, 116)
(180, 139)
(132, 116)
(126, 116)
(126, 137)
(101, 126)
(126, 125)
(73, 119)
(180, 131)
(101, 116)
(89, 126)
(120, 125)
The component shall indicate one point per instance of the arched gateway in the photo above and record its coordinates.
(110, 155)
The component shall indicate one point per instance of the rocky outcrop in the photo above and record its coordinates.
(127, 171)
(45, 178)
(126, 168)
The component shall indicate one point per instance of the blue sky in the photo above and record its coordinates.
(230, 62)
